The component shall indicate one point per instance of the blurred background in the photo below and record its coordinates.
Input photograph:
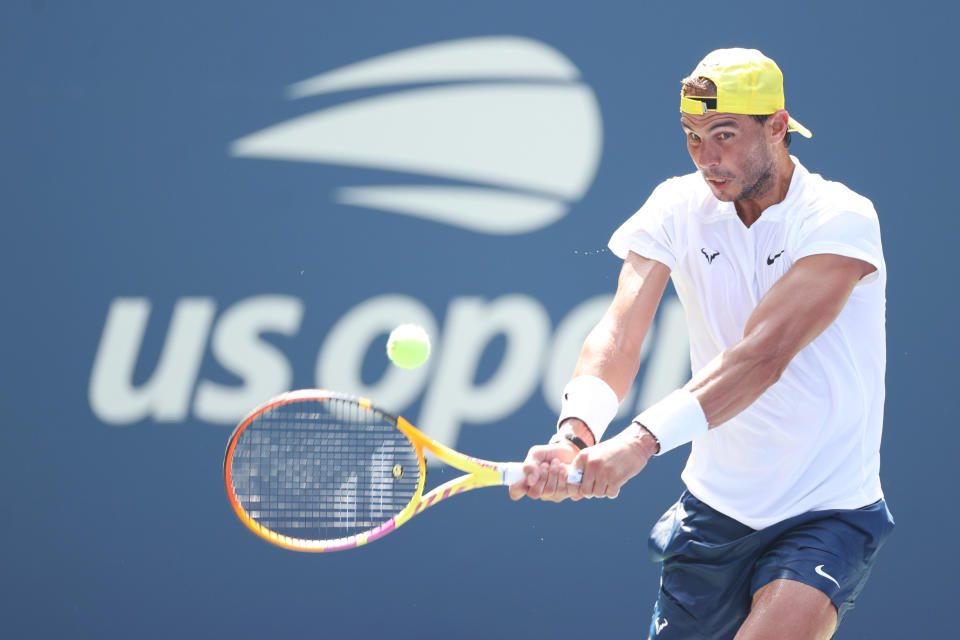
(205, 204)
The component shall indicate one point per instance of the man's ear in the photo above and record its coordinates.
(777, 125)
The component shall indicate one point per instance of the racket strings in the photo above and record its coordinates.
(323, 469)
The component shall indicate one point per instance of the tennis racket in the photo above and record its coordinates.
(316, 470)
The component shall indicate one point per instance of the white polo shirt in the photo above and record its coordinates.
(812, 440)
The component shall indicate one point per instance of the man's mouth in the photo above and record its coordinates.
(717, 181)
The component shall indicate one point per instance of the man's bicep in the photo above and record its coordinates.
(640, 287)
(804, 302)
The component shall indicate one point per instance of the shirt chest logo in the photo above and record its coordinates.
(709, 254)
(773, 258)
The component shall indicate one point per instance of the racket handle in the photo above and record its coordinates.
(512, 473)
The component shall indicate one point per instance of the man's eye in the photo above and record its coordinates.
(724, 135)
(693, 137)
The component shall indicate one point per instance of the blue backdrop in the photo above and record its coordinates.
(208, 203)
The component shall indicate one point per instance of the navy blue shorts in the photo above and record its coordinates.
(712, 564)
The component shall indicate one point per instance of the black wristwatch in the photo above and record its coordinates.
(580, 444)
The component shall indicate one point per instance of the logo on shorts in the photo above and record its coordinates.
(660, 626)
(821, 572)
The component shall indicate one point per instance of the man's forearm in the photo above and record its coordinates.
(733, 380)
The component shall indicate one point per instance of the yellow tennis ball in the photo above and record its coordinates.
(408, 346)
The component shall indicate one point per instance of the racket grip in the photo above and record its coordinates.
(512, 473)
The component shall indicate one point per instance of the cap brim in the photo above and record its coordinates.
(793, 125)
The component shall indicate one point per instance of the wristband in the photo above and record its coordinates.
(675, 420)
(590, 399)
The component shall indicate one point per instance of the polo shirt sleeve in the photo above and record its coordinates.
(854, 233)
(650, 231)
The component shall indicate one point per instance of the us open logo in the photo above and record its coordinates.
(500, 136)
(506, 117)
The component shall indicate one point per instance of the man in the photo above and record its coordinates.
(782, 277)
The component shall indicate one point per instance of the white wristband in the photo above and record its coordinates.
(592, 400)
(675, 420)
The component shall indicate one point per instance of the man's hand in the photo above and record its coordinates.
(546, 470)
(608, 465)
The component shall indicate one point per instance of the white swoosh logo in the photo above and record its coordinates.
(821, 572)
(482, 210)
(534, 146)
(513, 135)
(492, 57)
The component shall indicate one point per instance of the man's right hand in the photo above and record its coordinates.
(546, 469)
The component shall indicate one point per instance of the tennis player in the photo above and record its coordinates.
(782, 277)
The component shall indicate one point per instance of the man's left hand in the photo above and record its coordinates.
(607, 466)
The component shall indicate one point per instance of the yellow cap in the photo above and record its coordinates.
(747, 82)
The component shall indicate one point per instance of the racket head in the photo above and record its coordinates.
(316, 470)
